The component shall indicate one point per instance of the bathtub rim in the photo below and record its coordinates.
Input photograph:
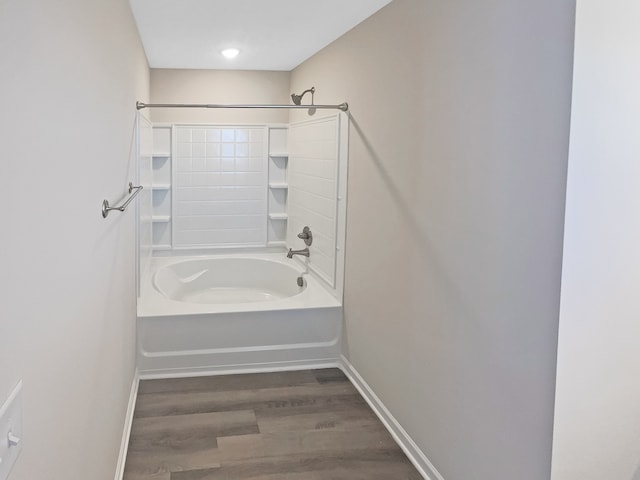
(152, 303)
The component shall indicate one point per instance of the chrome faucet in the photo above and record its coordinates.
(304, 252)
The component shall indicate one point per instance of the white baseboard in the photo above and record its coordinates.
(126, 431)
(402, 438)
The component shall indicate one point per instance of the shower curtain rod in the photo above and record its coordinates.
(140, 105)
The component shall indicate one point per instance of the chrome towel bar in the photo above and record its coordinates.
(105, 203)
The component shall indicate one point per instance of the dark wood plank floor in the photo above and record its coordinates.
(302, 425)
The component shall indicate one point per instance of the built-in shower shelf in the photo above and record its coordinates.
(160, 186)
(278, 185)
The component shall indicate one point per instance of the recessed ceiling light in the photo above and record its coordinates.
(230, 52)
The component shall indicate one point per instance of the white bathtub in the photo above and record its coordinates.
(233, 312)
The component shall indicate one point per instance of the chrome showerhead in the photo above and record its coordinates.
(297, 99)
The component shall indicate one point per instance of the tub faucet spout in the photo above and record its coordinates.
(304, 252)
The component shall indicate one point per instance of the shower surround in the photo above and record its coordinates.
(217, 293)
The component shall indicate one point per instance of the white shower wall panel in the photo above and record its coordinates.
(219, 179)
(313, 190)
(145, 198)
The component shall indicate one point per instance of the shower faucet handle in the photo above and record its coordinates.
(306, 235)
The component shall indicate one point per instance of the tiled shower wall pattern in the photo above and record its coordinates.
(313, 190)
(220, 194)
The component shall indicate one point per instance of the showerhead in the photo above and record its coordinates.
(297, 99)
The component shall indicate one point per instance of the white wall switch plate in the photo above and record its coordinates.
(10, 431)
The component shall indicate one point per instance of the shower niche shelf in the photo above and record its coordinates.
(161, 188)
(278, 186)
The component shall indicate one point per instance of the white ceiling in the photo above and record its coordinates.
(270, 34)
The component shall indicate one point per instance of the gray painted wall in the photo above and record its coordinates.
(71, 73)
(458, 157)
(219, 86)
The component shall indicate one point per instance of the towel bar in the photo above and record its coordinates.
(105, 203)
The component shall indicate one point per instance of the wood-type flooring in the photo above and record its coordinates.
(300, 425)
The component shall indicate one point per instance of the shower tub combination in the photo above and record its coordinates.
(236, 312)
